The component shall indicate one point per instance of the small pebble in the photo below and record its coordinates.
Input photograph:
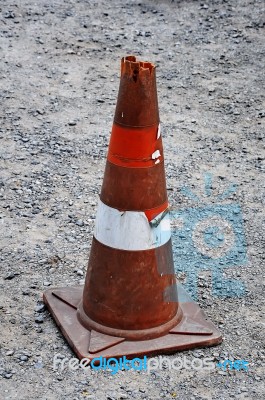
(39, 319)
(40, 308)
(11, 275)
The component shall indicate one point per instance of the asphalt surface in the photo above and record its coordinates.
(59, 77)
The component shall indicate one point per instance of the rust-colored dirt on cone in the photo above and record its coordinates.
(131, 303)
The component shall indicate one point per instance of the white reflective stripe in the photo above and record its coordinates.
(129, 230)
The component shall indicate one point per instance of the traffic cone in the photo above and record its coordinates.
(131, 304)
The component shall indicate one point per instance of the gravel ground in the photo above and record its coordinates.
(59, 73)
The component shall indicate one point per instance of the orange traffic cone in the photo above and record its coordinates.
(130, 304)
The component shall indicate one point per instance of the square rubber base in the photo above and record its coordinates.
(194, 330)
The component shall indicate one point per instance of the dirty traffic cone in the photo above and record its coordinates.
(131, 304)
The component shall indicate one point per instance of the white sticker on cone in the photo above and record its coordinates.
(156, 154)
(129, 230)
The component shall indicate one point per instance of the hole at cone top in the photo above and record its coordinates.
(135, 67)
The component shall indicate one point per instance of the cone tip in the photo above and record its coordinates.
(132, 67)
(137, 104)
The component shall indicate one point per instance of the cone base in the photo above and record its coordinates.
(194, 330)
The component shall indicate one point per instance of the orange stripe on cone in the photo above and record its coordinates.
(135, 147)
